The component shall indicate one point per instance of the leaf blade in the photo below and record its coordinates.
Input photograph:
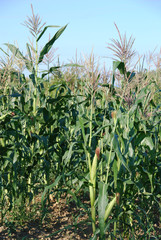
(45, 28)
(48, 46)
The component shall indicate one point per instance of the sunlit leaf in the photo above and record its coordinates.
(118, 152)
(102, 204)
(147, 141)
(49, 45)
(45, 28)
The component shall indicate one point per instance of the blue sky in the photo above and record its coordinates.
(90, 24)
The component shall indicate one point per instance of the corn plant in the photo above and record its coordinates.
(118, 156)
(19, 124)
(56, 138)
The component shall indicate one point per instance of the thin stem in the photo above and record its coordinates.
(92, 189)
(36, 78)
(90, 135)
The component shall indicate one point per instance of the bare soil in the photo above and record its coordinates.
(63, 221)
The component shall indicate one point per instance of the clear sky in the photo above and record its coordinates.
(91, 24)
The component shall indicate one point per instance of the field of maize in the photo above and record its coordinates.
(79, 136)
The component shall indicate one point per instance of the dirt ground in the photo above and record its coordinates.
(63, 221)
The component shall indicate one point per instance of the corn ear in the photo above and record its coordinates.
(92, 187)
(109, 208)
(93, 180)
(93, 169)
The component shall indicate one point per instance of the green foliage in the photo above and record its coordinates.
(54, 140)
(48, 46)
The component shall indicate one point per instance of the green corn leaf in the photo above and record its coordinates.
(15, 50)
(32, 77)
(130, 76)
(72, 65)
(45, 112)
(45, 28)
(150, 179)
(15, 94)
(68, 154)
(3, 116)
(113, 81)
(105, 85)
(4, 52)
(29, 52)
(29, 65)
(117, 150)
(139, 137)
(2, 96)
(52, 70)
(47, 188)
(109, 208)
(55, 86)
(120, 66)
(160, 134)
(115, 171)
(19, 55)
(48, 46)
(132, 110)
(33, 49)
(115, 65)
(95, 235)
(102, 204)
(147, 141)
(147, 193)
(83, 131)
(100, 129)
(59, 99)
